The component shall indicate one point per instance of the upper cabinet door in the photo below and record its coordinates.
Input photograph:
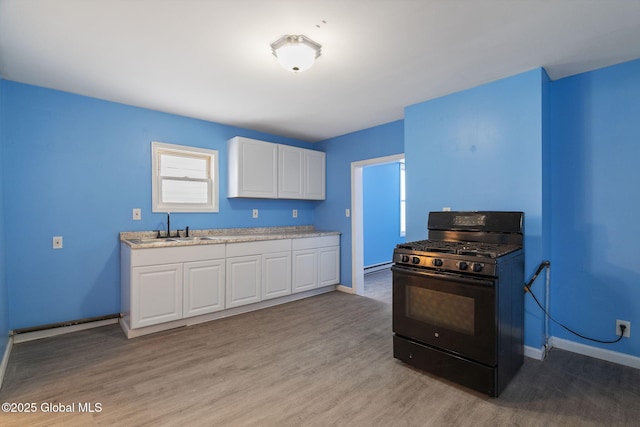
(315, 175)
(291, 162)
(252, 168)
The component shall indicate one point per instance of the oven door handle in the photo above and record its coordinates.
(445, 276)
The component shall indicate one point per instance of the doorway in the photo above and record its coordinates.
(357, 215)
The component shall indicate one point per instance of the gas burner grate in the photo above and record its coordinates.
(471, 249)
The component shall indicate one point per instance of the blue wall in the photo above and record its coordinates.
(595, 131)
(78, 166)
(4, 300)
(379, 141)
(481, 149)
(565, 152)
(381, 212)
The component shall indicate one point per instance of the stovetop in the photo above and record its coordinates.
(470, 249)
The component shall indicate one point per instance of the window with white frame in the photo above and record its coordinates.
(184, 179)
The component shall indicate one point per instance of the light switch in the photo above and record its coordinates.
(137, 214)
(57, 242)
(255, 213)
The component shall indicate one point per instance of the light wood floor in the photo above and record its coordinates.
(377, 285)
(322, 361)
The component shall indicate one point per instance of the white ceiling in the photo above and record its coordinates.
(211, 59)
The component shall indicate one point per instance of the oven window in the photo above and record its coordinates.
(454, 312)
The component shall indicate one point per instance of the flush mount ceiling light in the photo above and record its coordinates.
(296, 53)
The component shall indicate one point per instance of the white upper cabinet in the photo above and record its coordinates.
(301, 173)
(259, 169)
(253, 168)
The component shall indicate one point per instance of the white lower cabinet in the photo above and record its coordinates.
(257, 271)
(316, 262)
(203, 287)
(243, 280)
(157, 294)
(160, 285)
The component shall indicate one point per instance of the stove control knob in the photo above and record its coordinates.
(415, 260)
(462, 265)
(477, 267)
(405, 258)
(437, 262)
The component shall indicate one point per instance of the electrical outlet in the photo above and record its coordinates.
(57, 242)
(627, 331)
(347, 212)
(254, 213)
(137, 214)
(295, 213)
(446, 209)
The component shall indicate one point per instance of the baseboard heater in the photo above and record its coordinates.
(377, 267)
(64, 324)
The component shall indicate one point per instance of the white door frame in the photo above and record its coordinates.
(357, 228)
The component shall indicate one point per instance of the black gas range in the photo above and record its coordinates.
(458, 300)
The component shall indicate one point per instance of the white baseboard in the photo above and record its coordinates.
(46, 333)
(598, 353)
(5, 359)
(534, 353)
(345, 289)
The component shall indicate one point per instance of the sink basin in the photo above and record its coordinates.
(196, 238)
(174, 239)
(147, 241)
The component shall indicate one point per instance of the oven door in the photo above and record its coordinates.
(451, 312)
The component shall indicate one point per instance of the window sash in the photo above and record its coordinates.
(185, 191)
(182, 165)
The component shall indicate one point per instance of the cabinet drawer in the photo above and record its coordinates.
(315, 242)
(157, 256)
(257, 248)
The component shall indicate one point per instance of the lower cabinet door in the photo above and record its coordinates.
(203, 287)
(243, 280)
(328, 266)
(276, 275)
(304, 270)
(156, 294)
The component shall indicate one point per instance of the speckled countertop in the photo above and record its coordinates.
(147, 239)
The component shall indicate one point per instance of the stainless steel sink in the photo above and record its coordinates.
(162, 240)
(196, 238)
(147, 241)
